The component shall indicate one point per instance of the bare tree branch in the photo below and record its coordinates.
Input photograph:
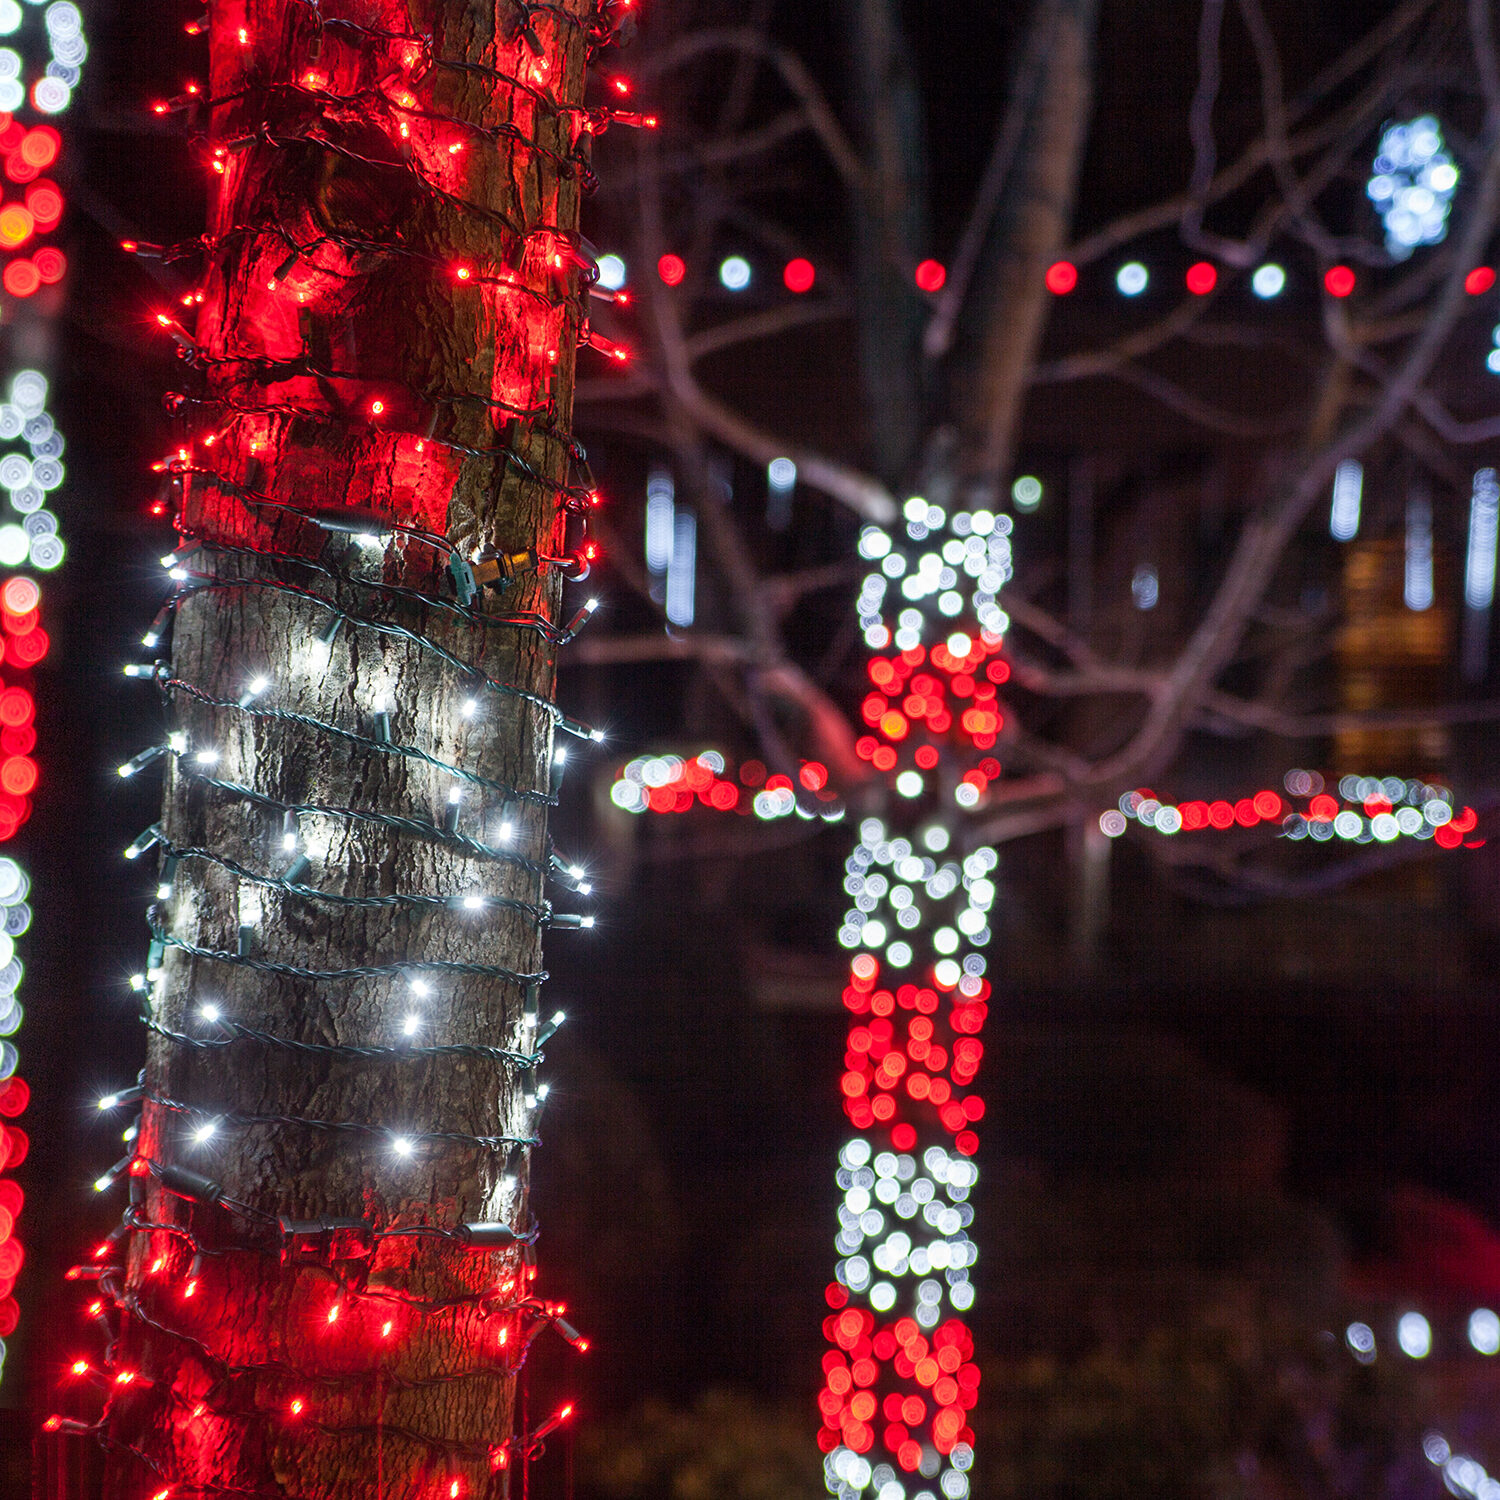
(1358, 115)
(938, 338)
(794, 74)
(1482, 36)
(1024, 238)
(1264, 539)
(630, 650)
(1294, 726)
(763, 325)
(1204, 413)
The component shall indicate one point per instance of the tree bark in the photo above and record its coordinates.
(891, 229)
(388, 290)
(1029, 233)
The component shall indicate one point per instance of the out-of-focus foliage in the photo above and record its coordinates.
(727, 1446)
(1236, 1405)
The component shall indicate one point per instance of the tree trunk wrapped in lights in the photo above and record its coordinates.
(379, 505)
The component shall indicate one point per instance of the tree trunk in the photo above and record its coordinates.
(386, 325)
(1030, 232)
(891, 231)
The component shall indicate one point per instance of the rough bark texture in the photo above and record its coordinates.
(230, 1342)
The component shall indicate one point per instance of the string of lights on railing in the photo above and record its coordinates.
(340, 575)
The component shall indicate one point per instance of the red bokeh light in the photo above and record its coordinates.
(799, 275)
(28, 649)
(18, 775)
(671, 269)
(45, 204)
(1339, 281)
(1201, 278)
(16, 707)
(39, 147)
(21, 278)
(931, 275)
(16, 226)
(1267, 804)
(1062, 277)
(1479, 281)
(20, 595)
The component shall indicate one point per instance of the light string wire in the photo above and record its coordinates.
(345, 1248)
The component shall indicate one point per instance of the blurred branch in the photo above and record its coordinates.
(1482, 37)
(1357, 117)
(993, 361)
(762, 325)
(938, 338)
(1264, 538)
(1319, 726)
(794, 74)
(618, 650)
(1204, 413)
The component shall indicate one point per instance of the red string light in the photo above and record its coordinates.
(1338, 281)
(799, 275)
(1061, 277)
(1201, 278)
(931, 276)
